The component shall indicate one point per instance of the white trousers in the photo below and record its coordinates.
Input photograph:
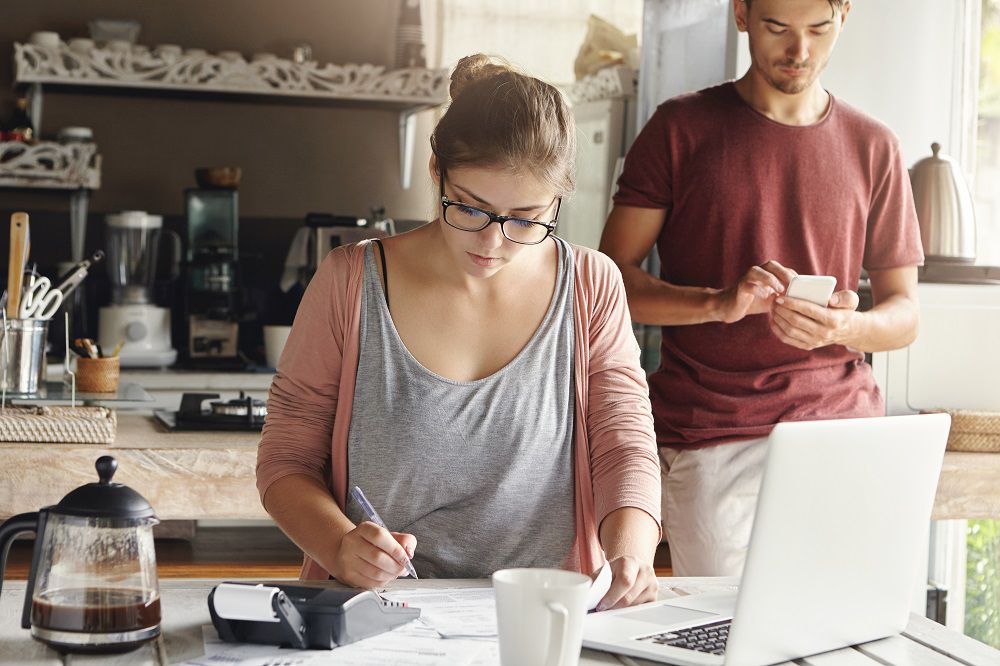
(708, 503)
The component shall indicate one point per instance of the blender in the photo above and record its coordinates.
(132, 242)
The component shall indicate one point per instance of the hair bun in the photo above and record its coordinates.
(475, 68)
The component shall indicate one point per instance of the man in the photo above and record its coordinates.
(742, 186)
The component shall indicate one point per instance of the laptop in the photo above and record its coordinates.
(841, 526)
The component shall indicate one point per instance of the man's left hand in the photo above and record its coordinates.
(633, 581)
(808, 326)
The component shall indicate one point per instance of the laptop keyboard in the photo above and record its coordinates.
(710, 638)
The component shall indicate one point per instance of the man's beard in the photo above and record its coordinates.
(793, 85)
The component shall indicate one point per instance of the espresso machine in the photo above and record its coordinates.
(132, 242)
(213, 294)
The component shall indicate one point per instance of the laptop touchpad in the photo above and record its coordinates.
(665, 615)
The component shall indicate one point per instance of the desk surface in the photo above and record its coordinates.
(924, 643)
(173, 470)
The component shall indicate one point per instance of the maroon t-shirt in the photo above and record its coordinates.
(740, 189)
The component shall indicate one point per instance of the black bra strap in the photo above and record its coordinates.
(385, 273)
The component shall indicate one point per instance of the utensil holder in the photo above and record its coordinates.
(97, 375)
(22, 356)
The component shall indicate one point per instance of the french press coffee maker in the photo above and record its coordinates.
(92, 587)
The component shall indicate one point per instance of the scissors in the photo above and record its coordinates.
(39, 300)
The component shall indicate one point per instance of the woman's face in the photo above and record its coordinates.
(484, 253)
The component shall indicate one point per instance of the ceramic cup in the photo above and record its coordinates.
(274, 343)
(119, 46)
(45, 38)
(168, 51)
(540, 616)
(81, 45)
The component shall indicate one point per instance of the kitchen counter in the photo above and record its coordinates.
(185, 614)
(211, 475)
(184, 475)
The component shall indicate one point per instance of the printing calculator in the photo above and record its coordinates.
(302, 617)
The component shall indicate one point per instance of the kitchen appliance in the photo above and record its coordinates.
(92, 586)
(243, 413)
(944, 209)
(212, 299)
(133, 239)
(331, 231)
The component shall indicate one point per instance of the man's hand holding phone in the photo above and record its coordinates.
(810, 315)
(754, 293)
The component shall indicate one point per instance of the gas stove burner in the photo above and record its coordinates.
(239, 407)
(243, 413)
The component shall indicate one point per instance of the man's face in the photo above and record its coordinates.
(790, 40)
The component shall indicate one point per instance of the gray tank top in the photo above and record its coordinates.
(480, 472)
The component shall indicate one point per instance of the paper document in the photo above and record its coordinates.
(599, 587)
(455, 613)
(413, 643)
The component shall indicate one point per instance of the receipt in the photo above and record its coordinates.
(245, 602)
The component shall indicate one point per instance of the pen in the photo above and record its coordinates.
(373, 516)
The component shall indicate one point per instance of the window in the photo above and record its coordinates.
(986, 189)
(540, 38)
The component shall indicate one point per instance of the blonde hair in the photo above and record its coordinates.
(499, 117)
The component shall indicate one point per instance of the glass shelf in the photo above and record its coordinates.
(128, 393)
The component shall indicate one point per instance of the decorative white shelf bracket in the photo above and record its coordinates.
(169, 68)
(608, 83)
(50, 165)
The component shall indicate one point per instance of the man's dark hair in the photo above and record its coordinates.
(835, 5)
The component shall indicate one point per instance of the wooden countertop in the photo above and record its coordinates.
(199, 475)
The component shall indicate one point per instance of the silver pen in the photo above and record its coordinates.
(373, 516)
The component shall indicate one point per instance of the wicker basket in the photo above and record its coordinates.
(97, 375)
(82, 425)
(973, 431)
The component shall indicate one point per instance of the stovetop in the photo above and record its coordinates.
(191, 416)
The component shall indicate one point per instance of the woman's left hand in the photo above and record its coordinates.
(633, 581)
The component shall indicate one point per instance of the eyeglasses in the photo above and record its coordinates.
(515, 229)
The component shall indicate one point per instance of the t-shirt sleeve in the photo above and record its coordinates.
(893, 236)
(645, 179)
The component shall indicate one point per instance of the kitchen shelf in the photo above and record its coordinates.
(166, 69)
(609, 83)
(50, 165)
(58, 391)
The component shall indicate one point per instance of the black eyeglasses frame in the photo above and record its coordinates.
(492, 217)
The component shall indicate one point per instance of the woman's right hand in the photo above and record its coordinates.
(370, 556)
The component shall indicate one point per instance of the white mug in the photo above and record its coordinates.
(540, 616)
(274, 343)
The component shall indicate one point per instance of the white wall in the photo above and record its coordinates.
(899, 61)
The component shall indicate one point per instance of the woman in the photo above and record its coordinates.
(477, 377)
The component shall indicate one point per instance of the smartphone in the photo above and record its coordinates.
(813, 288)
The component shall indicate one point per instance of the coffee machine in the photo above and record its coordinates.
(212, 298)
(133, 238)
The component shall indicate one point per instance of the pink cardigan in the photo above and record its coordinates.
(615, 460)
